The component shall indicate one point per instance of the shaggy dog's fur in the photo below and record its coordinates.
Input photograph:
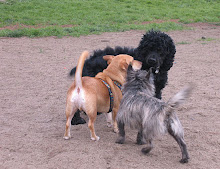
(141, 110)
(156, 49)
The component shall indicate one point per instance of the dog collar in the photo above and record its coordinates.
(117, 84)
(157, 70)
(110, 93)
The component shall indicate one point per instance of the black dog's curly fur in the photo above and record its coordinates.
(156, 49)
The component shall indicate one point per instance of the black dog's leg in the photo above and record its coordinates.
(140, 139)
(77, 119)
(160, 82)
(179, 139)
(121, 134)
(158, 93)
(147, 149)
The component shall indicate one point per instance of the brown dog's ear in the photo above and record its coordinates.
(124, 65)
(136, 65)
(108, 58)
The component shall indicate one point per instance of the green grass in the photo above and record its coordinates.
(183, 43)
(207, 39)
(83, 17)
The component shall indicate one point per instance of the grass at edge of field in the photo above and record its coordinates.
(77, 31)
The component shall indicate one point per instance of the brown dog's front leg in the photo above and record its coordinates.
(115, 124)
(121, 134)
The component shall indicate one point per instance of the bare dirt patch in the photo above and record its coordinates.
(33, 86)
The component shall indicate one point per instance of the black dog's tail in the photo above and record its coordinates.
(179, 98)
(96, 63)
(72, 72)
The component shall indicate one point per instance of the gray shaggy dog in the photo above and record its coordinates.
(151, 116)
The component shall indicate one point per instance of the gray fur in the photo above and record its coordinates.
(140, 110)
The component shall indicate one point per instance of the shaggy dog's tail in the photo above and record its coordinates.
(179, 98)
(79, 69)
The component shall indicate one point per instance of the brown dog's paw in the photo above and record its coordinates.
(116, 130)
(66, 137)
(95, 138)
(109, 125)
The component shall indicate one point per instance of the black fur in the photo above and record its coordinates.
(156, 49)
(96, 63)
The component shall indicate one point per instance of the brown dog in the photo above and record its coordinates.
(91, 94)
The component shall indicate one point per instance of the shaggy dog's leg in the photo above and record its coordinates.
(121, 134)
(176, 131)
(147, 149)
(77, 119)
(140, 139)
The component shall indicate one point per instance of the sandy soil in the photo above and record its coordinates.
(34, 81)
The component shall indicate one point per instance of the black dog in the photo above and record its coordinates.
(156, 49)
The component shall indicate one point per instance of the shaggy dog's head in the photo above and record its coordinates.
(139, 80)
(157, 50)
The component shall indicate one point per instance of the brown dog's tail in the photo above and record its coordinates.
(179, 98)
(79, 68)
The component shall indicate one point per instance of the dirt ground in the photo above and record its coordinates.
(34, 81)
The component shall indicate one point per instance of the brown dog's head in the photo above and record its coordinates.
(118, 65)
(123, 61)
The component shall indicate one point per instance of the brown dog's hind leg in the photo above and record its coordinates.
(121, 134)
(178, 136)
(69, 115)
(92, 118)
